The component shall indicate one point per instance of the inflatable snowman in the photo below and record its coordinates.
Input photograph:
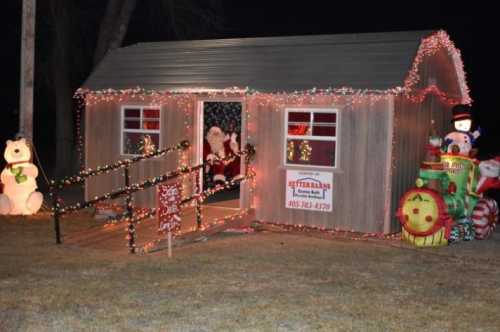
(18, 178)
(461, 141)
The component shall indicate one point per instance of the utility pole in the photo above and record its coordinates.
(27, 69)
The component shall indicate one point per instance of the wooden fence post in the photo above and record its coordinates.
(130, 213)
(198, 201)
(55, 204)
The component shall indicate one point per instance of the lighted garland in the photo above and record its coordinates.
(337, 232)
(82, 175)
(133, 221)
(79, 136)
(428, 47)
(221, 221)
(202, 196)
(196, 198)
(131, 233)
(434, 89)
(249, 152)
(128, 189)
(156, 97)
(216, 222)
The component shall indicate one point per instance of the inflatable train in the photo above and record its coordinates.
(448, 203)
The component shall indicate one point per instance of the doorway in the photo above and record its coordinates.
(221, 141)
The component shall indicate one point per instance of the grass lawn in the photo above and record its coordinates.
(256, 282)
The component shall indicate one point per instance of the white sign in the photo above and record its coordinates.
(309, 190)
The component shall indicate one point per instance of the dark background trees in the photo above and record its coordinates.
(73, 37)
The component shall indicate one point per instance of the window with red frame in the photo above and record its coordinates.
(137, 123)
(311, 137)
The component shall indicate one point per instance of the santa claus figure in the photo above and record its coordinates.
(490, 175)
(221, 155)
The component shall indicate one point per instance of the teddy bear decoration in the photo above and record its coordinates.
(18, 179)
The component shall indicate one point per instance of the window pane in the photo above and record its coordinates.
(151, 113)
(325, 117)
(299, 117)
(156, 140)
(132, 113)
(324, 130)
(151, 125)
(130, 124)
(133, 142)
(299, 129)
(307, 152)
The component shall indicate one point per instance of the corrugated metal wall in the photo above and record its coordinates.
(412, 130)
(102, 146)
(359, 183)
(412, 125)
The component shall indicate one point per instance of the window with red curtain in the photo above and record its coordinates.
(137, 123)
(311, 137)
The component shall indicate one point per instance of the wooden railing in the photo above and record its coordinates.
(128, 189)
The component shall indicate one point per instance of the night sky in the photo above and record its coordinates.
(469, 28)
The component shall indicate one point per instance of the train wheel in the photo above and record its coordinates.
(485, 217)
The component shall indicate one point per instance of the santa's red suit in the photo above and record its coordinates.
(490, 175)
(220, 152)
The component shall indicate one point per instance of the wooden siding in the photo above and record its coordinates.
(359, 181)
(103, 146)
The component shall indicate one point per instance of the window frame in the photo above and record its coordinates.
(335, 139)
(123, 130)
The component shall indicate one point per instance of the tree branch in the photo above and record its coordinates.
(106, 29)
(120, 28)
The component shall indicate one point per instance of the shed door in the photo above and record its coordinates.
(221, 139)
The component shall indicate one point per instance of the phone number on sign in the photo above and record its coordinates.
(308, 205)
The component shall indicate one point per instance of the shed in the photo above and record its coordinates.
(339, 122)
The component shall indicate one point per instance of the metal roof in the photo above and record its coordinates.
(362, 61)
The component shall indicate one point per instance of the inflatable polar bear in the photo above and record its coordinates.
(18, 178)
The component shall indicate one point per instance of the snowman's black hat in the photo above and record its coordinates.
(461, 112)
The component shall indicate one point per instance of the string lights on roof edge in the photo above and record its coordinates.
(429, 46)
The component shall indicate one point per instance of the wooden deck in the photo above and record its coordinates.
(112, 236)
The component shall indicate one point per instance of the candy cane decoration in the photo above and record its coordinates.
(485, 217)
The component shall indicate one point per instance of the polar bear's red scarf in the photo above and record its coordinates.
(10, 165)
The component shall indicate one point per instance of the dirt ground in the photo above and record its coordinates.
(253, 282)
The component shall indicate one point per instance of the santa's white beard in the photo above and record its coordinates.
(217, 145)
